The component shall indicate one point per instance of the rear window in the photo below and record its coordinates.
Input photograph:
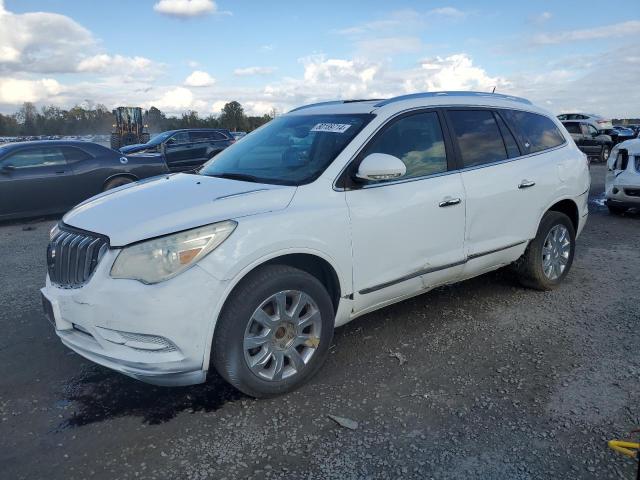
(478, 136)
(535, 132)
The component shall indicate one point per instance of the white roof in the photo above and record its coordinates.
(418, 100)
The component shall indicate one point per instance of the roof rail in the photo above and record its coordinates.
(336, 102)
(451, 94)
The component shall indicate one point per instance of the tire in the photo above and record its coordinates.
(117, 182)
(532, 269)
(258, 294)
(615, 210)
(604, 153)
(115, 141)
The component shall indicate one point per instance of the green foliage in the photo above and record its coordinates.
(80, 120)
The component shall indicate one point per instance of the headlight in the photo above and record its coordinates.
(161, 258)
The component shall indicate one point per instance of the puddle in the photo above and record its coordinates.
(100, 394)
(598, 201)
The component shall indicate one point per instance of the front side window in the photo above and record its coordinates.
(35, 157)
(289, 150)
(416, 140)
(478, 137)
(592, 130)
(535, 132)
(179, 138)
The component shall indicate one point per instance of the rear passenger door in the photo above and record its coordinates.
(178, 151)
(507, 182)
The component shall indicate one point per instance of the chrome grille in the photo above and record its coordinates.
(72, 256)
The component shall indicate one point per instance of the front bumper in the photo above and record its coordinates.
(154, 333)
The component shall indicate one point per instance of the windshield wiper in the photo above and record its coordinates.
(238, 176)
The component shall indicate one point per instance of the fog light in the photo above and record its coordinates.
(138, 341)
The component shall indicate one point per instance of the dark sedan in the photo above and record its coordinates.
(185, 149)
(49, 177)
(593, 143)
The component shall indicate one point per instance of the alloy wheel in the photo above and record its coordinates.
(555, 252)
(282, 335)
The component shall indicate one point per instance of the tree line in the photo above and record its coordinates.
(79, 120)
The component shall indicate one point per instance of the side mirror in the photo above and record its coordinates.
(380, 166)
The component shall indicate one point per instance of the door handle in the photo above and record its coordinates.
(526, 184)
(448, 201)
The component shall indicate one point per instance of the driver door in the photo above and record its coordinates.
(178, 151)
(407, 234)
(34, 181)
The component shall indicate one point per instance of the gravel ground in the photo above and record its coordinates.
(482, 380)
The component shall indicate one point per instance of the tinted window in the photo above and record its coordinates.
(35, 157)
(206, 135)
(478, 136)
(73, 154)
(289, 150)
(509, 140)
(535, 132)
(572, 127)
(592, 130)
(417, 141)
(180, 137)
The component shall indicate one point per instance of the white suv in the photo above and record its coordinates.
(322, 215)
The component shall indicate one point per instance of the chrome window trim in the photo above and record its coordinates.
(448, 172)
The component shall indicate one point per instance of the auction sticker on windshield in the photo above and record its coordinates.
(331, 127)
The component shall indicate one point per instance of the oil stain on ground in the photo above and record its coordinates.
(99, 394)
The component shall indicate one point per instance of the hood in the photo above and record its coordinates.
(173, 203)
(133, 148)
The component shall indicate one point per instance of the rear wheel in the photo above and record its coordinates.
(274, 331)
(116, 182)
(549, 256)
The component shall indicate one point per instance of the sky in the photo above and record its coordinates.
(181, 55)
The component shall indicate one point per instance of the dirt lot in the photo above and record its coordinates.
(499, 382)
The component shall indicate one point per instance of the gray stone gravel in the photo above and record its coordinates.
(497, 382)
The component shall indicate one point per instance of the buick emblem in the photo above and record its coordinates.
(124, 160)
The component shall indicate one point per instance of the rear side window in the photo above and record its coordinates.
(509, 140)
(572, 127)
(535, 132)
(73, 154)
(416, 140)
(478, 136)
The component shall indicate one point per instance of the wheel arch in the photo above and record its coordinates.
(309, 260)
(569, 208)
(119, 175)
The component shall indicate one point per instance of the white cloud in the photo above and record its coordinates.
(399, 19)
(41, 42)
(267, 48)
(616, 30)
(16, 91)
(187, 8)
(199, 79)
(114, 64)
(542, 17)
(376, 47)
(248, 71)
(177, 100)
(450, 12)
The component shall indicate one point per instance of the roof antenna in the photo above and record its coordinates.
(494, 90)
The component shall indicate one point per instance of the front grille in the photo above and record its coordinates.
(72, 256)
(632, 192)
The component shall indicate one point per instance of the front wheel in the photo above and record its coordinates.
(549, 256)
(274, 332)
(604, 154)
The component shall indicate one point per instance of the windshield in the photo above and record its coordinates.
(289, 150)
